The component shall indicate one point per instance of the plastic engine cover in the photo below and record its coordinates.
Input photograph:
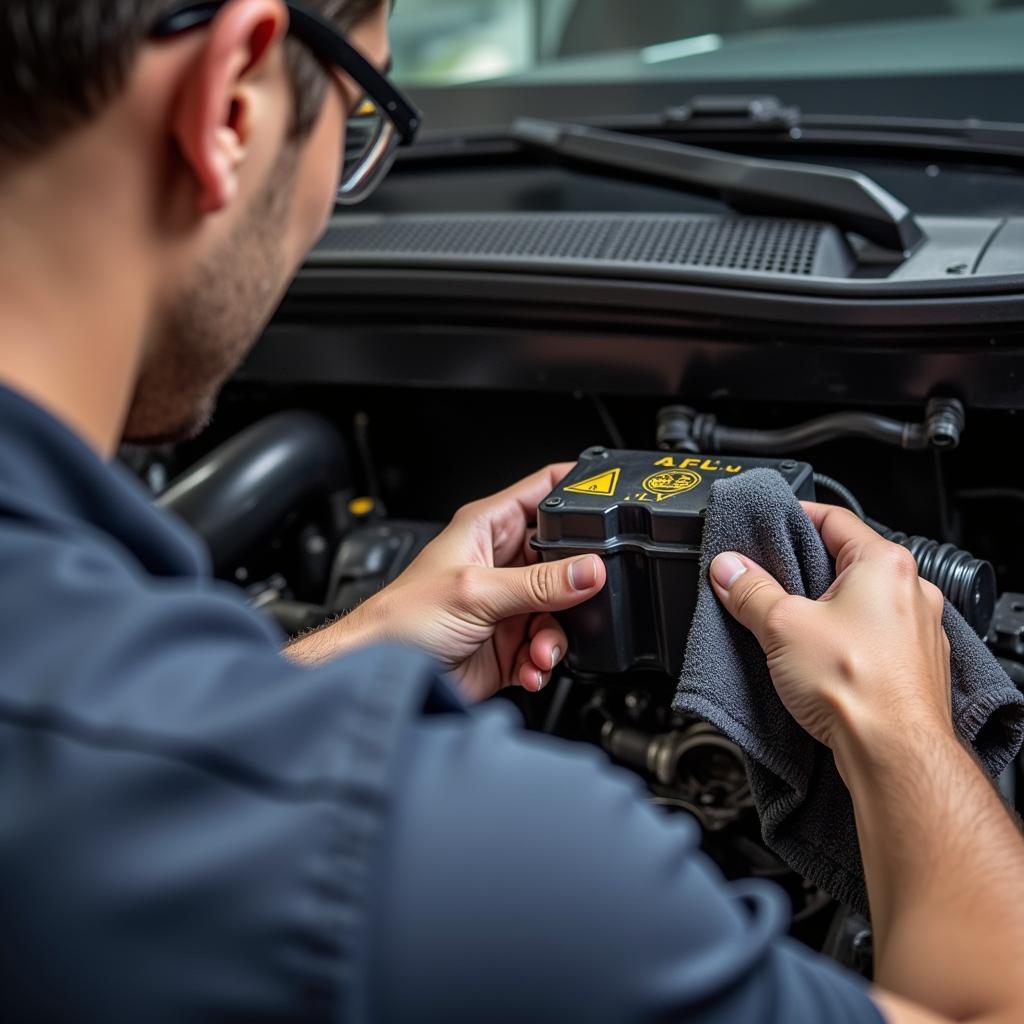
(643, 513)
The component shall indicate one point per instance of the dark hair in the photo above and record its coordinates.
(61, 61)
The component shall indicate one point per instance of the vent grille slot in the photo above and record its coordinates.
(755, 244)
(769, 246)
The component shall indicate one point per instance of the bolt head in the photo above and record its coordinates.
(553, 502)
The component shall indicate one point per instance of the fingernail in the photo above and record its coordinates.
(583, 573)
(556, 656)
(540, 681)
(726, 569)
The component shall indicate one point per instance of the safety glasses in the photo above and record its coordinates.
(384, 120)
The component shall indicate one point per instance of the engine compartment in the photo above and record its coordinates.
(313, 497)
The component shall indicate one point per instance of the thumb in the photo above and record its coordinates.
(543, 587)
(746, 590)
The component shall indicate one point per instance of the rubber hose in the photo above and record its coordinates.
(814, 432)
(237, 494)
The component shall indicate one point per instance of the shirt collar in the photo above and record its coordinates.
(49, 475)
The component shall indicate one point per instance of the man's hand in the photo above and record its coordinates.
(865, 669)
(478, 598)
(870, 654)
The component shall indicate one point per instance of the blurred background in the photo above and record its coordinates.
(453, 42)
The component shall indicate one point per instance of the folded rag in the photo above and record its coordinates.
(805, 810)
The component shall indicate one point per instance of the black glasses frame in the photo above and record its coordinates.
(327, 44)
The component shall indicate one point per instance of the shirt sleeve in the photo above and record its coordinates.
(526, 880)
(187, 819)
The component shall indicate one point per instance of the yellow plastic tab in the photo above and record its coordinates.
(361, 507)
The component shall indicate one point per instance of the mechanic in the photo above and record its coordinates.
(197, 826)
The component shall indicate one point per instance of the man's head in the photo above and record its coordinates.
(235, 135)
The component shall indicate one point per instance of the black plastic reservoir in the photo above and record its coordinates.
(643, 513)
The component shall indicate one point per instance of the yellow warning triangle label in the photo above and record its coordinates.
(603, 483)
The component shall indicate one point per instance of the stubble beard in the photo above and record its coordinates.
(216, 320)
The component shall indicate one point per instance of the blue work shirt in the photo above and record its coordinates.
(194, 829)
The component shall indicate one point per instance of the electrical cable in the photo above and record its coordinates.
(841, 491)
(608, 421)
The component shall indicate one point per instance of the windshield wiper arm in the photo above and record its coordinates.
(763, 115)
(848, 199)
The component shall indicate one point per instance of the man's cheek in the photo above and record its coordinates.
(311, 209)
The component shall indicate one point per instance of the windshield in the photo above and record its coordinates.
(453, 42)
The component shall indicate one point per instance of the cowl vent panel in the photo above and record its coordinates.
(757, 245)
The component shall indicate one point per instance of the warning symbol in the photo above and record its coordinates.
(604, 483)
(676, 481)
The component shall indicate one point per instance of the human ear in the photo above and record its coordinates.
(216, 108)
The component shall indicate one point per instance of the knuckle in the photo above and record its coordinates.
(780, 619)
(933, 595)
(899, 561)
(845, 518)
(847, 663)
(467, 512)
(541, 583)
(465, 589)
(844, 525)
(750, 593)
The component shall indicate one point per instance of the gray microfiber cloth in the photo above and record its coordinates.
(805, 810)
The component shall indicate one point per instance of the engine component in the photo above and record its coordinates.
(369, 557)
(850, 941)
(372, 556)
(1006, 636)
(683, 429)
(702, 769)
(240, 491)
(642, 512)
